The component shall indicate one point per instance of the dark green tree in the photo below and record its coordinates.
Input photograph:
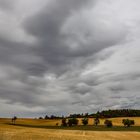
(128, 122)
(72, 121)
(14, 119)
(108, 123)
(85, 121)
(46, 117)
(96, 121)
(64, 123)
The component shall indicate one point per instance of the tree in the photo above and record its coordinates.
(72, 121)
(40, 118)
(85, 121)
(46, 117)
(128, 122)
(64, 123)
(14, 119)
(108, 123)
(96, 121)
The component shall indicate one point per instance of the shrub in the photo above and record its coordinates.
(96, 121)
(72, 121)
(64, 123)
(14, 119)
(108, 123)
(128, 122)
(46, 117)
(85, 121)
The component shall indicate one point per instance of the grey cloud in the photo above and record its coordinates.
(117, 88)
(127, 76)
(7, 4)
(54, 42)
(48, 21)
(73, 56)
(82, 88)
(46, 27)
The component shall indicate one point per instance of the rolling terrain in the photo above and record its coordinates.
(34, 129)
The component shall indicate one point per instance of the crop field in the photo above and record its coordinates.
(34, 129)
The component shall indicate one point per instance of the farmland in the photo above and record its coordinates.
(35, 129)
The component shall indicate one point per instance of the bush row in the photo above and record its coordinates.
(107, 123)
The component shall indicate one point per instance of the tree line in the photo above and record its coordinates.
(100, 114)
(109, 114)
(108, 123)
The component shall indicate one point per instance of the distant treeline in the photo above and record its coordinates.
(110, 114)
(101, 114)
(118, 113)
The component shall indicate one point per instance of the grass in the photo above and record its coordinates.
(86, 128)
(34, 129)
(51, 124)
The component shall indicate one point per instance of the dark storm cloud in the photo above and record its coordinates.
(47, 26)
(49, 20)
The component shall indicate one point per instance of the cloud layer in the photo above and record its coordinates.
(68, 56)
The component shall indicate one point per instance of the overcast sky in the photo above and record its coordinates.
(68, 56)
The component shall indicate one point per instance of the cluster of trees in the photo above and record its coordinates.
(74, 121)
(52, 117)
(70, 122)
(109, 114)
(100, 114)
(107, 123)
(128, 122)
(83, 115)
(118, 113)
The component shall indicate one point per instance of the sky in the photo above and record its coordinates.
(68, 56)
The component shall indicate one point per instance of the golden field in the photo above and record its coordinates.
(14, 132)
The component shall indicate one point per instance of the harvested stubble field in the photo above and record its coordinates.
(33, 129)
